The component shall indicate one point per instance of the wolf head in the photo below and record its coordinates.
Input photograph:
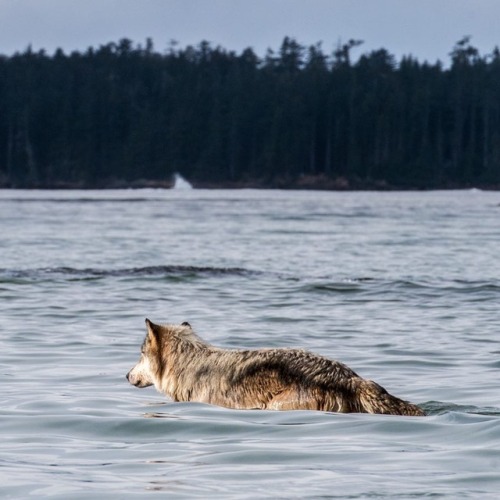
(151, 363)
(141, 374)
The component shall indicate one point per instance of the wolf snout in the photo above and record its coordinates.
(132, 379)
(137, 380)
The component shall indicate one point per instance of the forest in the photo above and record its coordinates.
(127, 115)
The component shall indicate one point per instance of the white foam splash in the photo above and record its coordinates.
(180, 182)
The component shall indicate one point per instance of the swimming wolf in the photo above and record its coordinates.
(181, 365)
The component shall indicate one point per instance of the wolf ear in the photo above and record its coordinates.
(185, 323)
(152, 331)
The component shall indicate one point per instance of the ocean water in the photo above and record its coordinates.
(403, 287)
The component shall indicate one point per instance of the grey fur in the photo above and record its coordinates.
(181, 365)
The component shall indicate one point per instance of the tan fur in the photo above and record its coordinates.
(181, 365)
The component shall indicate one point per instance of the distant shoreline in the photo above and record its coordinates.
(304, 183)
(128, 116)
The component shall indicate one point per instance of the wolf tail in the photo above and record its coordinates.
(375, 399)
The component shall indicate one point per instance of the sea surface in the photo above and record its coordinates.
(402, 287)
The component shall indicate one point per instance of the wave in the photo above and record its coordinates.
(374, 285)
(431, 408)
(298, 284)
(173, 271)
(440, 408)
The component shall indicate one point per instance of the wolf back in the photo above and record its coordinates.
(181, 365)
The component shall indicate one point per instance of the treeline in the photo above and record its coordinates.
(125, 114)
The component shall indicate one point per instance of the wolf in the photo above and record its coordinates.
(184, 367)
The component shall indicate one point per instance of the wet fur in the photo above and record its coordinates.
(181, 365)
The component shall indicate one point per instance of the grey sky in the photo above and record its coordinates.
(427, 29)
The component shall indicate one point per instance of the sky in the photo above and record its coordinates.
(425, 29)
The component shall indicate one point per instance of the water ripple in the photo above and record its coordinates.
(7, 275)
(402, 287)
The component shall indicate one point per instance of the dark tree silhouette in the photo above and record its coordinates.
(125, 114)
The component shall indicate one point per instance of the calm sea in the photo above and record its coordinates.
(403, 287)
